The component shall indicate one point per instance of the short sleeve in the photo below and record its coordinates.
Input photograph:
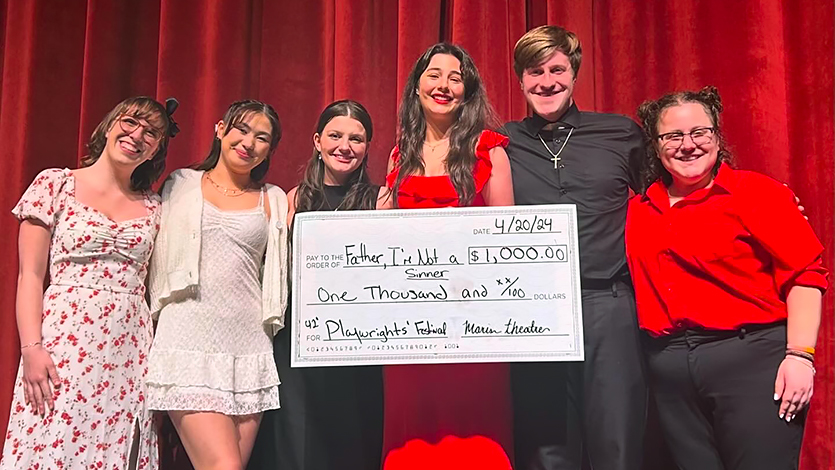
(392, 177)
(490, 139)
(636, 156)
(484, 166)
(42, 200)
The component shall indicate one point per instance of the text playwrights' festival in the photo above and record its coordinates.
(417, 234)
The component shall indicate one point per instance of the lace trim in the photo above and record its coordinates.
(164, 398)
(221, 372)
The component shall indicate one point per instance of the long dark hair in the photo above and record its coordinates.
(650, 112)
(139, 107)
(238, 112)
(310, 195)
(472, 116)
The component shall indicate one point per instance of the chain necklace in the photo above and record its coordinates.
(325, 197)
(556, 156)
(438, 144)
(228, 192)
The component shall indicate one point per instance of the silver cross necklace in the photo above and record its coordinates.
(556, 156)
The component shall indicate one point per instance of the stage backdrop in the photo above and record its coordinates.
(66, 63)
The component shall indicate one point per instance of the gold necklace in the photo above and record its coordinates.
(438, 144)
(228, 192)
(325, 196)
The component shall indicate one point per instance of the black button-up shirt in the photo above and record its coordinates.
(596, 168)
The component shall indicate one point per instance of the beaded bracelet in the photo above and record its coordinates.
(800, 354)
(806, 349)
(799, 359)
(29, 345)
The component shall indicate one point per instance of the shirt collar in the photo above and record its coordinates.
(724, 181)
(725, 178)
(571, 118)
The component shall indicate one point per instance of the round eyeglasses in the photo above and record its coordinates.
(150, 135)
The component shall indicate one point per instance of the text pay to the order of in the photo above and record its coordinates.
(421, 286)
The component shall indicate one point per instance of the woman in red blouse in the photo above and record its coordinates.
(728, 281)
(447, 416)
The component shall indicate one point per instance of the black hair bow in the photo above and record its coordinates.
(171, 105)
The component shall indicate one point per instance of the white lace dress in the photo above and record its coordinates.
(211, 352)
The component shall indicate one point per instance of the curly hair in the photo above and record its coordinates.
(139, 107)
(362, 195)
(473, 115)
(649, 114)
(237, 113)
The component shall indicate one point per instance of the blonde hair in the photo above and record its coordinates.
(540, 43)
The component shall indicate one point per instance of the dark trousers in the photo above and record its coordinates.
(562, 409)
(714, 393)
(330, 417)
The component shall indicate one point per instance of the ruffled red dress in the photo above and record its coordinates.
(447, 416)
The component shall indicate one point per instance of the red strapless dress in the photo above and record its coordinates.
(447, 416)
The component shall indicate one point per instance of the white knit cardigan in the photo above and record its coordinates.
(174, 270)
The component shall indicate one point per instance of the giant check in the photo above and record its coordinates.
(486, 284)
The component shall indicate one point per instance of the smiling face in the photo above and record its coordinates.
(246, 144)
(132, 140)
(343, 146)
(441, 87)
(549, 86)
(689, 163)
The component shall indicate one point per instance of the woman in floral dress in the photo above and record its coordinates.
(79, 398)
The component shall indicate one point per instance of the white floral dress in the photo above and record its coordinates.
(97, 327)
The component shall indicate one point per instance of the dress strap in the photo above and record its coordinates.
(261, 197)
(148, 200)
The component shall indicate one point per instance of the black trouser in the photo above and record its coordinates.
(603, 399)
(714, 392)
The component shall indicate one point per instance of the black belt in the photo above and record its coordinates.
(604, 284)
(739, 331)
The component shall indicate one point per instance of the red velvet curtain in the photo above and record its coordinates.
(65, 64)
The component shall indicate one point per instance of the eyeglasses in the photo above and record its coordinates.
(700, 136)
(150, 135)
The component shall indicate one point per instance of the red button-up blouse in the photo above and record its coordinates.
(723, 257)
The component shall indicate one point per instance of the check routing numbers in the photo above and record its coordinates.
(436, 286)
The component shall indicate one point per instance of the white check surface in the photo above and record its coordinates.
(421, 286)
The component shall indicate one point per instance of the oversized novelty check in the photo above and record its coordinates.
(486, 284)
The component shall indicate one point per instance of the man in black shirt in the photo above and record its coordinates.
(562, 155)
